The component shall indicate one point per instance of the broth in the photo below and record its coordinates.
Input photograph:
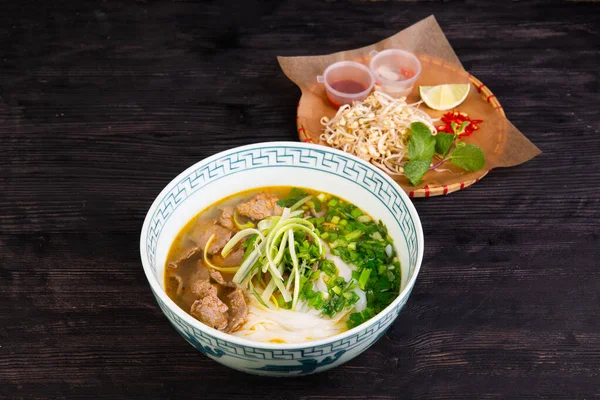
(235, 266)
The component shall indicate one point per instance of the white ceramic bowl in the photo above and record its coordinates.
(280, 164)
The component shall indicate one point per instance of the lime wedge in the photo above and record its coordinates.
(444, 97)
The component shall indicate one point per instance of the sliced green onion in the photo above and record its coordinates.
(312, 234)
(286, 293)
(238, 237)
(281, 250)
(274, 300)
(271, 266)
(322, 197)
(257, 296)
(276, 235)
(296, 213)
(296, 269)
(300, 202)
(364, 277)
(284, 216)
(257, 273)
(211, 265)
(353, 235)
(329, 267)
(276, 283)
(335, 219)
(295, 223)
(239, 225)
(266, 294)
(266, 223)
(290, 280)
(268, 241)
(376, 236)
(356, 213)
(290, 221)
(249, 244)
(364, 218)
(389, 250)
(249, 263)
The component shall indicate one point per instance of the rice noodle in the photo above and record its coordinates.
(286, 326)
(376, 130)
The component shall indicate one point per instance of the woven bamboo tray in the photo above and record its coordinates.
(428, 190)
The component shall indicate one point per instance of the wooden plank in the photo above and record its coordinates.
(102, 103)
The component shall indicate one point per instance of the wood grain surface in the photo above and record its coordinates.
(102, 103)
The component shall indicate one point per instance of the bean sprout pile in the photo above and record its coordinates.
(377, 130)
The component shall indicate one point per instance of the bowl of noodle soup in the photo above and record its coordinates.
(282, 328)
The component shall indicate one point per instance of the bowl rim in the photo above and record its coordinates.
(174, 308)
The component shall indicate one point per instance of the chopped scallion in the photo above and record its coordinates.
(364, 277)
(364, 218)
(356, 213)
(353, 235)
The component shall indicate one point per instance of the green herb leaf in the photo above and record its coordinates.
(329, 267)
(421, 145)
(364, 277)
(469, 157)
(419, 128)
(360, 317)
(443, 141)
(415, 170)
(318, 205)
(295, 195)
(463, 126)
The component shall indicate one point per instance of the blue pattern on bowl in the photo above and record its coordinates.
(255, 357)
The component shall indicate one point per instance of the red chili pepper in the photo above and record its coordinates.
(458, 118)
(407, 73)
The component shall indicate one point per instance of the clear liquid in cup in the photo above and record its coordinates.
(395, 71)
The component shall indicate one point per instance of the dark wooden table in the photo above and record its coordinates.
(102, 103)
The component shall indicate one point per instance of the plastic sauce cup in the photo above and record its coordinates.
(395, 71)
(346, 82)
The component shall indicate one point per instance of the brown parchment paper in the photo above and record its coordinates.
(501, 141)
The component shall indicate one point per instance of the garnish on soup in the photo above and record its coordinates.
(283, 265)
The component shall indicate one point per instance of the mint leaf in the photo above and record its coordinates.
(443, 141)
(420, 129)
(415, 169)
(421, 145)
(469, 157)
